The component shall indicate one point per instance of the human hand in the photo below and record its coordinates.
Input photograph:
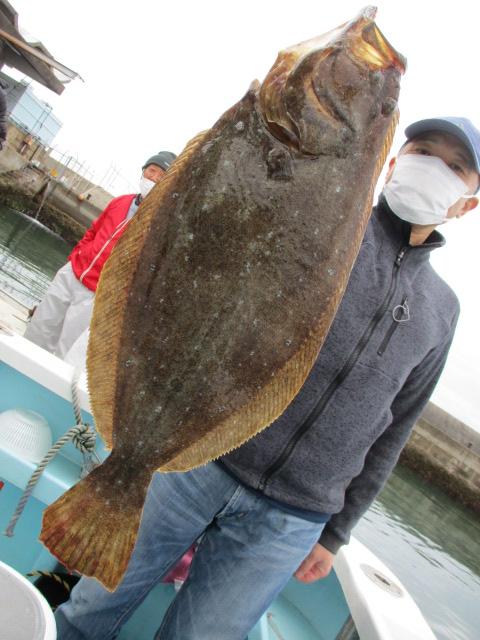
(316, 565)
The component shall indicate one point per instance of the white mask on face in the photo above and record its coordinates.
(421, 189)
(145, 186)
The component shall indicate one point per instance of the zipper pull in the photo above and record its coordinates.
(400, 256)
(401, 313)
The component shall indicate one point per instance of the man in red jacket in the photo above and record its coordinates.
(66, 309)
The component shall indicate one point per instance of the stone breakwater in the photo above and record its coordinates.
(26, 190)
(446, 452)
(31, 179)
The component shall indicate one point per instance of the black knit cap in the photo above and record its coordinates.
(162, 159)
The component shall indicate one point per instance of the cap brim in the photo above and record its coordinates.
(438, 124)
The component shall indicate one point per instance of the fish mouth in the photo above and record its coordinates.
(370, 46)
(293, 72)
(361, 36)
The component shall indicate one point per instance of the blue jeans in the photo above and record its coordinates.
(247, 554)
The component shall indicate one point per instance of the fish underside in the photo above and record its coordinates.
(213, 307)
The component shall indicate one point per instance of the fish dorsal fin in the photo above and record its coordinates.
(111, 298)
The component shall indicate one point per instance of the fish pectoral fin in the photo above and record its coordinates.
(92, 528)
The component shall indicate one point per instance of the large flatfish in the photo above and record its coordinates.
(213, 306)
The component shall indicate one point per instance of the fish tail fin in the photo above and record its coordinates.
(92, 528)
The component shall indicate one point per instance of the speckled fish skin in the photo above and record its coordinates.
(215, 303)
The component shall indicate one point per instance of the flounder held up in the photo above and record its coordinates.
(213, 306)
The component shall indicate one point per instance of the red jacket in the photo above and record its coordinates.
(91, 253)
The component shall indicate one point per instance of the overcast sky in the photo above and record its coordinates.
(157, 73)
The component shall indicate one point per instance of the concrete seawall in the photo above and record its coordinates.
(446, 452)
(31, 179)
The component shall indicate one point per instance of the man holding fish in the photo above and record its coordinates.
(197, 379)
(433, 180)
(254, 541)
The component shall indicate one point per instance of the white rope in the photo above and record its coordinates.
(84, 438)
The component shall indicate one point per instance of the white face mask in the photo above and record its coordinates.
(145, 186)
(421, 189)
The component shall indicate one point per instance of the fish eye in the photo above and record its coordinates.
(376, 78)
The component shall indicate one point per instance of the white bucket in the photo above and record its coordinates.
(24, 612)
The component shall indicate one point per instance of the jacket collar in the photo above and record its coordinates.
(402, 229)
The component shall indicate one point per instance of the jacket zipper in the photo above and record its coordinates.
(340, 377)
(400, 313)
(119, 228)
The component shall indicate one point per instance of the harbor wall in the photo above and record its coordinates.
(30, 177)
(23, 149)
(21, 190)
(446, 452)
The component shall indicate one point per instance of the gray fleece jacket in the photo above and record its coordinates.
(338, 441)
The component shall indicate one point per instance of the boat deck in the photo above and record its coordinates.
(13, 314)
